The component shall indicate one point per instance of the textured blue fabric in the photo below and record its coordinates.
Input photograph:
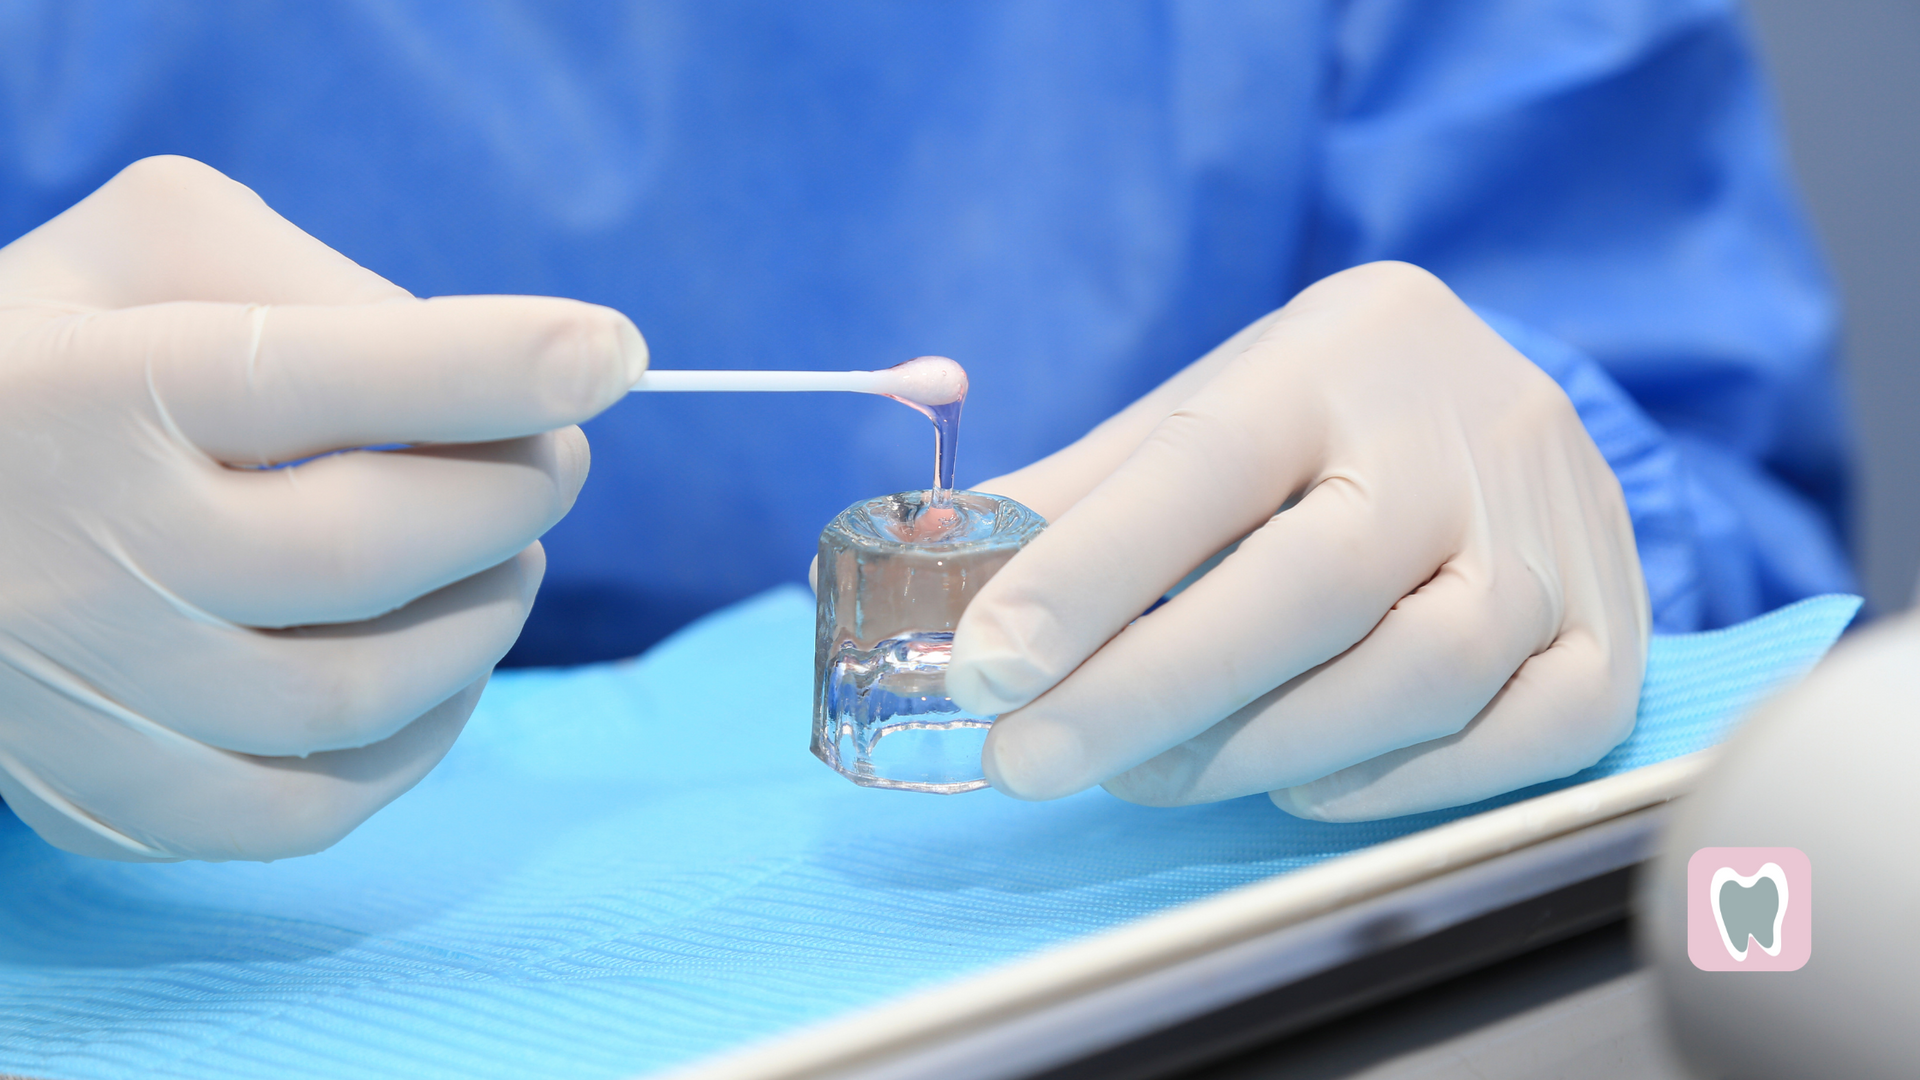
(1060, 195)
(625, 866)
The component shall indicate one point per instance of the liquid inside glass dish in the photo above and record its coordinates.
(895, 575)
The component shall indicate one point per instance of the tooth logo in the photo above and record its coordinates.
(1749, 909)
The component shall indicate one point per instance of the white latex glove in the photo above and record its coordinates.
(1449, 606)
(204, 660)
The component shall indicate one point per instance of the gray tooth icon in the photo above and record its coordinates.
(1750, 908)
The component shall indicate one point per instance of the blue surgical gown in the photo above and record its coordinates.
(1043, 190)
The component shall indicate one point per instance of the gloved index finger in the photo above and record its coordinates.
(258, 384)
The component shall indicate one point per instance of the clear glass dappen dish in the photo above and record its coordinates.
(895, 574)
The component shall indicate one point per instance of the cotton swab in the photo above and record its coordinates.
(923, 381)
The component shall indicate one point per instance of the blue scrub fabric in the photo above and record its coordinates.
(1073, 199)
(628, 866)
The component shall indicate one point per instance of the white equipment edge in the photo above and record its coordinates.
(869, 1040)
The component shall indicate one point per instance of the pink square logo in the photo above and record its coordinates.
(1749, 909)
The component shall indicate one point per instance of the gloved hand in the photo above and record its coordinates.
(1435, 595)
(203, 659)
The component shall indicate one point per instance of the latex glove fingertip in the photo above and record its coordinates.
(633, 349)
(1299, 802)
(1034, 761)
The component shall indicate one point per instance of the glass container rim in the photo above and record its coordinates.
(1014, 524)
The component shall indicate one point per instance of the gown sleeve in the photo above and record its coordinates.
(1607, 184)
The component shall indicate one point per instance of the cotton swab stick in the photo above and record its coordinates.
(924, 381)
(682, 382)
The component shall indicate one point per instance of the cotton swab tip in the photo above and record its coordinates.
(926, 380)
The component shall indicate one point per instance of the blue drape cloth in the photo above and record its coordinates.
(627, 866)
(1060, 195)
